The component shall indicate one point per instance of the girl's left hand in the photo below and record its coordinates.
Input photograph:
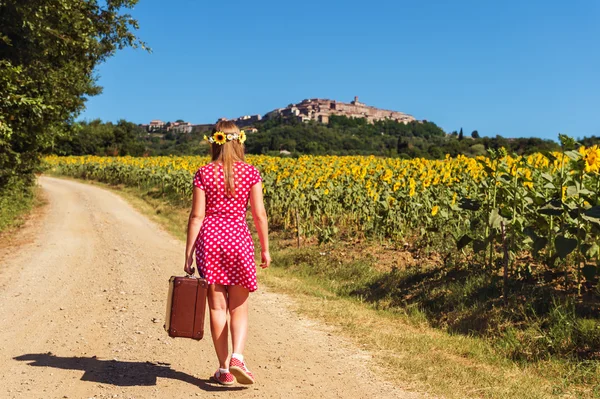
(188, 267)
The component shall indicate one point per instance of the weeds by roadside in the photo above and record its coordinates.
(16, 201)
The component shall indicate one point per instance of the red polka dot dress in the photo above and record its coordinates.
(224, 247)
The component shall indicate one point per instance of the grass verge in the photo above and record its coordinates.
(15, 204)
(401, 338)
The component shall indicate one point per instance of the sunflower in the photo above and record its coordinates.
(592, 159)
(242, 136)
(220, 138)
(435, 210)
(412, 184)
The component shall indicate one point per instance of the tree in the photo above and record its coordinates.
(435, 152)
(48, 53)
(475, 134)
(402, 145)
(478, 149)
(460, 134)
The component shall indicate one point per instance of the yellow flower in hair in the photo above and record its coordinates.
(242, 136)
(220, 138)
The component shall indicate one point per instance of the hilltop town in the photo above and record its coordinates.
(314, 109)
(317, 109)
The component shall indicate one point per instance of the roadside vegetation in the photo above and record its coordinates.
(16, 200)
(48, 53)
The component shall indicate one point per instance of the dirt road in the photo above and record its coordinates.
(82, 308)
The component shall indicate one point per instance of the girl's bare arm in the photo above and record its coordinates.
(194, 224)
(259, 214)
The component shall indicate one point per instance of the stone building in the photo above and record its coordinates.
(180, 127)
(320, 110)
(156, 125)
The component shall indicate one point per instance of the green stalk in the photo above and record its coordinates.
(514, 215)
(597, 186)
(490, 237)
(551, 237)
(580, 257)
(487, 226)
(560, 191)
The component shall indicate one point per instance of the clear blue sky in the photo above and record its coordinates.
(511, 67)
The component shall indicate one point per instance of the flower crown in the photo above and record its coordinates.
(221, 138)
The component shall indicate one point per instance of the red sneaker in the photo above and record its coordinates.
(240, 371)
(223, 378)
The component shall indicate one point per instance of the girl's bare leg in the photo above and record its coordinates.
(217, 302)
(238, 311)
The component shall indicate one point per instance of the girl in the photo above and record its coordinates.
(218, 233)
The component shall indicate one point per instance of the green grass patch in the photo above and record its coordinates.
(16, 201)
(457, 308)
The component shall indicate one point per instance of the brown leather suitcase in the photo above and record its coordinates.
(186, 307)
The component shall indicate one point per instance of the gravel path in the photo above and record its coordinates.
(82, 301)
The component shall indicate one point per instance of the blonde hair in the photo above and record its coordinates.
(227, 154)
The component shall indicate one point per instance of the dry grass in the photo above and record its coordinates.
(423, 359)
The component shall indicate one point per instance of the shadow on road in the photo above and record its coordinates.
(117, 372)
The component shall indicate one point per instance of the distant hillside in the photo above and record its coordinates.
(356, 136)
(288, 136)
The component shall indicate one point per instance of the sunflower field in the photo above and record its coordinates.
(508, 215)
